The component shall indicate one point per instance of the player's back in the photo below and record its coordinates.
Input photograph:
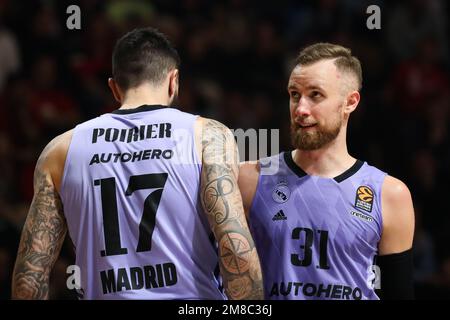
(317, 237)
(130, 191)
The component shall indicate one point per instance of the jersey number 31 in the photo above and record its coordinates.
(307, 248)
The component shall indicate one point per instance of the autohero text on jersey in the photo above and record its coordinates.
(329, 291)
(131, 156)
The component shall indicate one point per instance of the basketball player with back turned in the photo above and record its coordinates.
(147, 193)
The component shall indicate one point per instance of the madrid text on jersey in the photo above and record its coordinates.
(136, 278)
(311, 290)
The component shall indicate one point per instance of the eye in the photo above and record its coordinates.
(315, 94)
(295, 95)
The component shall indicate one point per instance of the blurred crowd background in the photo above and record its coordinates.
(236, 59)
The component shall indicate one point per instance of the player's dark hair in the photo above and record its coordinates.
(143, 55)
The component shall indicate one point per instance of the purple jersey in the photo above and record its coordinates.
(130, 191)
(317, 238)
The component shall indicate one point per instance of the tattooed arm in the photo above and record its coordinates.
(222, 202)
(44, 229)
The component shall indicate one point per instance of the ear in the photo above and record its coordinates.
(115, 89)
(351, 102)
(173, 83)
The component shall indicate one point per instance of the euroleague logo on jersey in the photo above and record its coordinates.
(364, 198)
(281, 192)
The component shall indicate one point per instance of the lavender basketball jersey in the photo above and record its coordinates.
(130, 192)
(317, 237)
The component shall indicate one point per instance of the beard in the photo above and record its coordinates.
(316, 138)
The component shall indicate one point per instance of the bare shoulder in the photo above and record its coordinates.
(218, 144)
(210, 125)
(398, 216)
(248, 182)
(57, 145)
(53, 157)
(213, 135)
(395, 190)
(396, 201)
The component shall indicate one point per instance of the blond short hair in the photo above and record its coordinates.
(344, 60)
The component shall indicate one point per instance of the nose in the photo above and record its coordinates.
(302, 108)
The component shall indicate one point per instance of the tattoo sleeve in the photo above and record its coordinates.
(42, 237)
(222, 202)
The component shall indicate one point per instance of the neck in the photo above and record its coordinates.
(145, 94)
(329, 161)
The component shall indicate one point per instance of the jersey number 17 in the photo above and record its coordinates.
(111, 217)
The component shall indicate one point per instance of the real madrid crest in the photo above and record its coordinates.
(281, 193)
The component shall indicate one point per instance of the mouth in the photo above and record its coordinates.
(307, 126)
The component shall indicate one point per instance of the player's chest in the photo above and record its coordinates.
(318, 207)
